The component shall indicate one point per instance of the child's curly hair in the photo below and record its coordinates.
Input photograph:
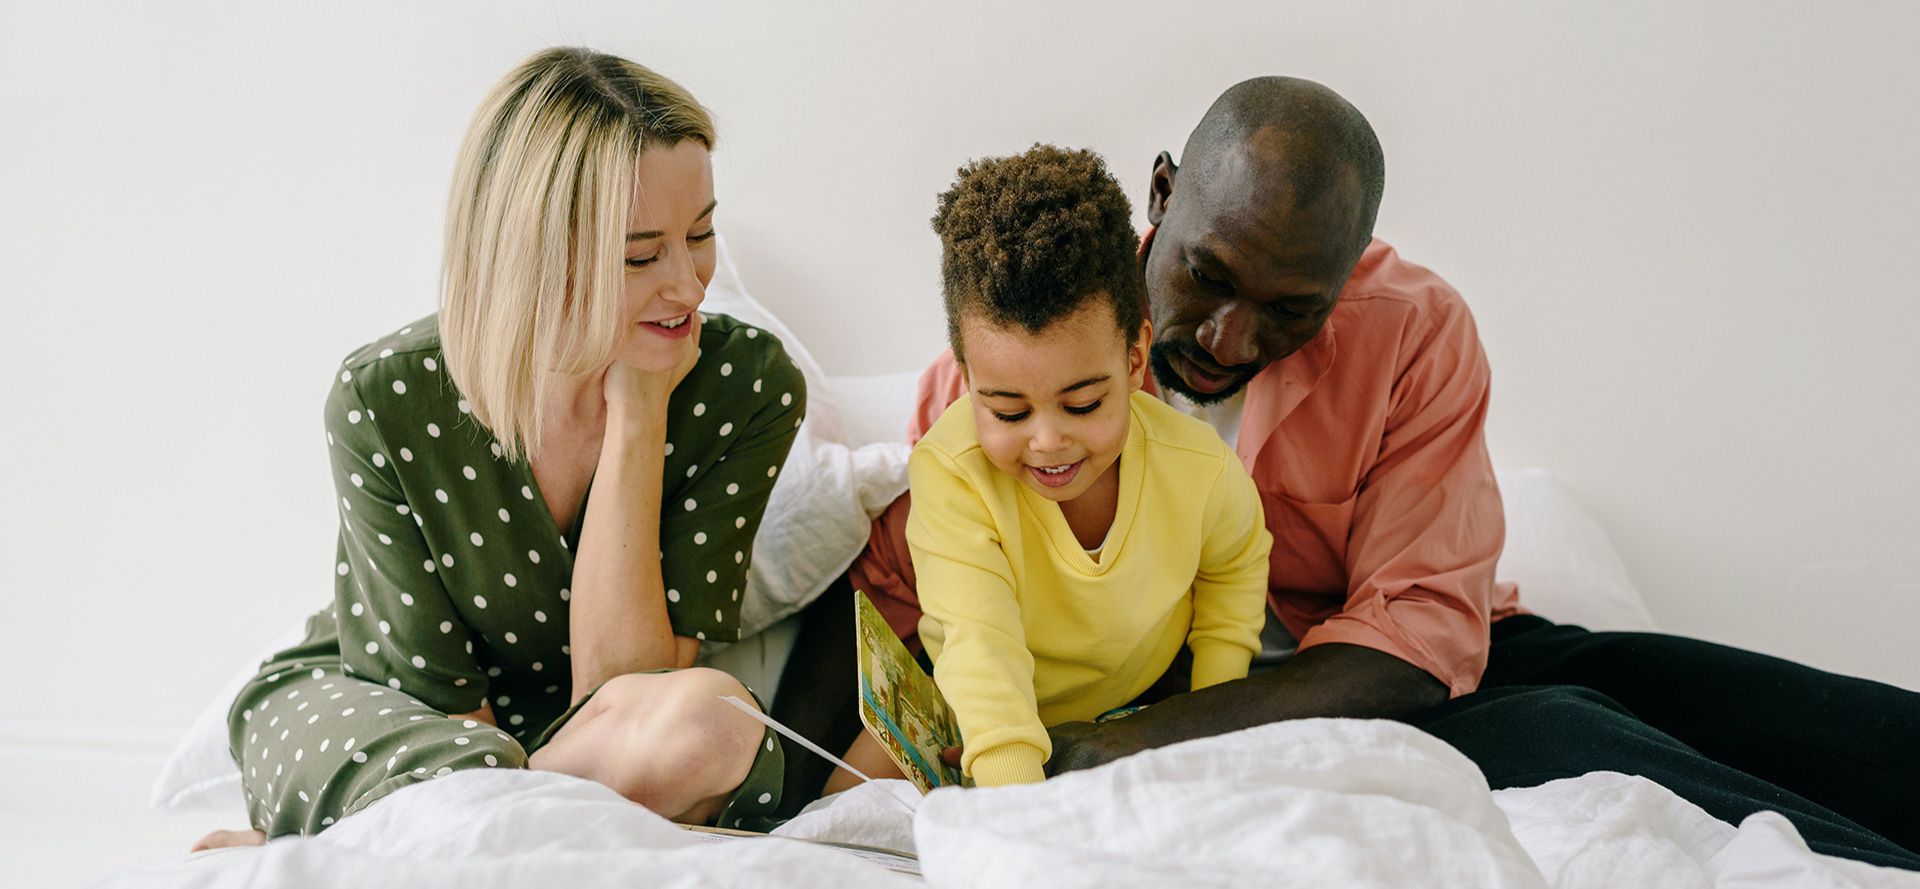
(1028, 239)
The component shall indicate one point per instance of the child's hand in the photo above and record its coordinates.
(951, 755)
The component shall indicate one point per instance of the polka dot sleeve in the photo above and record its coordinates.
(734, 429)
(397, 625)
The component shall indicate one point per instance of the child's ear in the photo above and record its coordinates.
(1137, 356)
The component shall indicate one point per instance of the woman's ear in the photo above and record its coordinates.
(1137, 356)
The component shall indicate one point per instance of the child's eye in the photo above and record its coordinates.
(1085, 408)
(1010, 418)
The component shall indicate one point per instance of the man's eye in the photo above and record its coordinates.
(1205, 280)
(1085, 408)
(1287, 312)
(1010, 418)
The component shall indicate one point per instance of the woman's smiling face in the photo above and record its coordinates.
(669, 256)
(1051, 407)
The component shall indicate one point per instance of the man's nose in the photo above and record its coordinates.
(1228, 335)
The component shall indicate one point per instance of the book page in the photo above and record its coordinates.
(900, 704)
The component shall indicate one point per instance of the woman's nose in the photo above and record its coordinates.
(685, 287)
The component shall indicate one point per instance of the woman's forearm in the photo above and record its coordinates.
(618, 612)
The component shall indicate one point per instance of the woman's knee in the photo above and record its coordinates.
(678, 741)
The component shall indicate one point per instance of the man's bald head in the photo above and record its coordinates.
(1256, 230)
(1302, 140)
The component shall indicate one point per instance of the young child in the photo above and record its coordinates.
(1071, 534)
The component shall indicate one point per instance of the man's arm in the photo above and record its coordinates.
(1333, 679)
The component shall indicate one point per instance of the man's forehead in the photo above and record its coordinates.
(1244, 242)
(1268, 240)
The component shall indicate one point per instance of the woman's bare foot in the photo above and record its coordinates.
(221, 839)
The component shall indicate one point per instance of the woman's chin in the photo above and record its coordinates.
(651, 360)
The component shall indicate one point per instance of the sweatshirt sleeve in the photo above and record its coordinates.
(973, 626)
(1230, 588)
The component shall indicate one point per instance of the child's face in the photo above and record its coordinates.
(1051, 407)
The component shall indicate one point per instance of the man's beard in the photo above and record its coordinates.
(1160, 358)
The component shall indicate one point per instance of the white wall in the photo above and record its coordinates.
(1688, 232)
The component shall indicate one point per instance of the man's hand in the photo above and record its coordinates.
(1083, 745)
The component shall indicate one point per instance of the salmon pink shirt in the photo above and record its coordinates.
(1368, 448)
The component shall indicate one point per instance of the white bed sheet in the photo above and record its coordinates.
(1313, 802)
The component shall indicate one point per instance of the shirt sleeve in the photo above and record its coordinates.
(941, 384)
(397, 624)
(1230, 587)
(736, 440)
(1428, 526)
(973, 626)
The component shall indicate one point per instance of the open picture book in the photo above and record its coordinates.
(900, 704)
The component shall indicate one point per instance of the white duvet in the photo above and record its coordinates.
(1307, 803)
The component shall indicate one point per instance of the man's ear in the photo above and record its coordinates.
(1137, 357)
(1160, 188)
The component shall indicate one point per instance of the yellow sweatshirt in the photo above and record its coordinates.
(1026, 630)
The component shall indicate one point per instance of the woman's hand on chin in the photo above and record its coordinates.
(637, 397)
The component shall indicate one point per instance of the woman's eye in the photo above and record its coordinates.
(1010, 418)
(636, 262)
(702, 238)
(1085, 408)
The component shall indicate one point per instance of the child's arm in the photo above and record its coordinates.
(1230, 589)
(973, 627)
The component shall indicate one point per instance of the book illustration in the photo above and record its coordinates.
(900, 704)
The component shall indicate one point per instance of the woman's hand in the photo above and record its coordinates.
(636, 396)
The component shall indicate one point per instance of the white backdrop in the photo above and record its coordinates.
(1688, 232)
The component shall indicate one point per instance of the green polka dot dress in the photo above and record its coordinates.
(451, 579)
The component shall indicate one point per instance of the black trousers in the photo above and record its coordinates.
(1732, 731)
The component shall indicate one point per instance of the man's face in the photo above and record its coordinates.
(1238, 276)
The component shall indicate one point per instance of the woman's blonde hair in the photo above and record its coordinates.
(536, 226)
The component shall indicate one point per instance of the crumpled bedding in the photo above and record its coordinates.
(1304, 803)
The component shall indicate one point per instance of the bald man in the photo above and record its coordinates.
(1353, 386)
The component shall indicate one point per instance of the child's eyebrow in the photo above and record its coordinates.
(1004, 393)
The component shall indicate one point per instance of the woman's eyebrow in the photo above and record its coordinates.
(648, 235)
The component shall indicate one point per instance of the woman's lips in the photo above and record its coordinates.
(1059, 479)
(683, 326)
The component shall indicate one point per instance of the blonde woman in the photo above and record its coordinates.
(548, 492)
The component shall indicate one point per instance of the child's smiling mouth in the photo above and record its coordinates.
(1057, 476)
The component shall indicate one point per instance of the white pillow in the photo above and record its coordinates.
(1565, 564)
(817, 520)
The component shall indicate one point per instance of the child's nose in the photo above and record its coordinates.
(1048, 440)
